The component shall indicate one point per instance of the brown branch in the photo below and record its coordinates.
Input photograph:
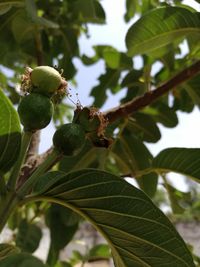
(32, 162)
(128, 108)
(34, 145)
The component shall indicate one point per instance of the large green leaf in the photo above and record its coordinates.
(160, 27)
(181, 160)
(10, 133)
(137, 231)
(21, 260)
(7, 250)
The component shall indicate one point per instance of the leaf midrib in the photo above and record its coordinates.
(130, 216)
(145, 241)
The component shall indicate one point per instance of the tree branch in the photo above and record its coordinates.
(31, 165)
(128, 108)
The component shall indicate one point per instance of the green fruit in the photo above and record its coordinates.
(45, 80)
(69, 139)
(35, 111)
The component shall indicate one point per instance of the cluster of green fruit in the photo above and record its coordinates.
(36, 108)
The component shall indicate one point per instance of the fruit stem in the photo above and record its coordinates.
(26, 138)
(52, 158)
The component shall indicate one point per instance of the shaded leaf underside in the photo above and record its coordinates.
(138, 232)
(181, 160)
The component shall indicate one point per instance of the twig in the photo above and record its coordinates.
(128, 108)
(31, 165)
(34, 145)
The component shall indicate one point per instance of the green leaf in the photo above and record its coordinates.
(28, 236)
(162, 113)
(136, 87)
(32, 12)
(67, 64)
(6, 250)
(47, 180)
(100, 251)
(22, 27)
(160, 27)
(185, 161)
(131, 8)
(112, 57)
(115, 59)
(192, 88)
(89, 11)
(4, 8)
(177, 197)
(10, 134)
(138, 233)
(63, 223)
(135, 155)
(83, 160)
(109, 80)
(144, 127)
(182, 100)
(7, 5)
(21, 260)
